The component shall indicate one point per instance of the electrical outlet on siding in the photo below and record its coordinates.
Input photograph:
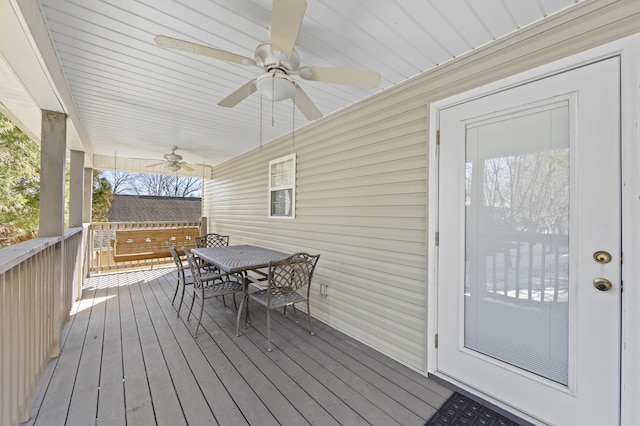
(323, 289)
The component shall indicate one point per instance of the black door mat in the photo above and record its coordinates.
(459, 410)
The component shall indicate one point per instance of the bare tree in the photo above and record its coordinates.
(122, 182)
(528, 191)
(154, 185)
(167, 186)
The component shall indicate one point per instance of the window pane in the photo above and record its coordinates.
(282, 173)
(517, 240)
(281, 202)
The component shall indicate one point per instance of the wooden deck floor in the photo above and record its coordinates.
(127, 359)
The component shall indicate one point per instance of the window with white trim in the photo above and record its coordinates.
(282, 187)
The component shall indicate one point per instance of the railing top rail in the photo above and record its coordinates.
(72, 231)
(146, 223)
(18, 253)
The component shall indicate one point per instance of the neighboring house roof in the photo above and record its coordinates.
(146, 208)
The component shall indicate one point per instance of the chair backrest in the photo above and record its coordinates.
(195, 269)
(212, 240)
(175, 255)
(292, 273)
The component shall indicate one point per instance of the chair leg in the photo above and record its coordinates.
(309, 315)
(224, 302)
(246, 313)
(193, 299)
(268, 329)
(200, 316)
(175, 293)
(246, 308)
(239, 316)
(181, 300)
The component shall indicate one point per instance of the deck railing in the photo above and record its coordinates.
(525, 266)
(39, 280)
(104, 250)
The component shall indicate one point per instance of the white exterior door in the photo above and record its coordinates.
(529, 267)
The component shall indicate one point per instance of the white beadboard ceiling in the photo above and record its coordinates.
(137, 99)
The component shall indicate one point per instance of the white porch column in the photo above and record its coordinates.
(88, 195)
(52, 175)
(76, 189)
(204, 226)
(76, 211)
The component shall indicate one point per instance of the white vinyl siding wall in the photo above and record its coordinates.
(361, 190)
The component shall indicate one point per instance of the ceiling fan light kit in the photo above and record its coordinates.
(279, 61)
(276, 86)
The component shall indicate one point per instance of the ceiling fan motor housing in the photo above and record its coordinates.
(172, 156)
(269, 61)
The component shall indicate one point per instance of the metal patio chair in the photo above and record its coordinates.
(212, 240)
(184, 276)
(210, 285)
(285, 286)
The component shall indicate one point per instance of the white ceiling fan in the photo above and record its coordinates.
(173, 161)
(280, 61)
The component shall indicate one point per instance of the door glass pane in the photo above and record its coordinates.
(517, 240)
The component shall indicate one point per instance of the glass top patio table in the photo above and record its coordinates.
(240, 258)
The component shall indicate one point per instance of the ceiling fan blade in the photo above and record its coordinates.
(306, 105)
(286, 19)
(239, 95)
(350, 77)
(156, 164)
(187, 168)
(199, 49)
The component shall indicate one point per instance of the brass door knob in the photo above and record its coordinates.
(602, 284)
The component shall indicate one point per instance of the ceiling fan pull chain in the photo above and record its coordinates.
(261, 122)
(293, 126)
(273, 99)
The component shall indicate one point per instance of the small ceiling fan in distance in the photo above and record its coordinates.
(173, 161)
(279, 61)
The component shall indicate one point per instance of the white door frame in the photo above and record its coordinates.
(629, 51)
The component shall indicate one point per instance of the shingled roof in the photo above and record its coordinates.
(145, 208)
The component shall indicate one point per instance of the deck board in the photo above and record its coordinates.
(362, 373)
(84, 401)
(138, 404)
(111, 410)
(167, 407)
(47, 374)
(55, 402)
(224, 408)
(194, 404)
(128, 359)
(313, 363)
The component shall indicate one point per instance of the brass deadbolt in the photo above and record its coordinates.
(602, 257)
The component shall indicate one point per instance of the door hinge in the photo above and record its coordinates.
(437, 238)
(436, 340)
(437, 137)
